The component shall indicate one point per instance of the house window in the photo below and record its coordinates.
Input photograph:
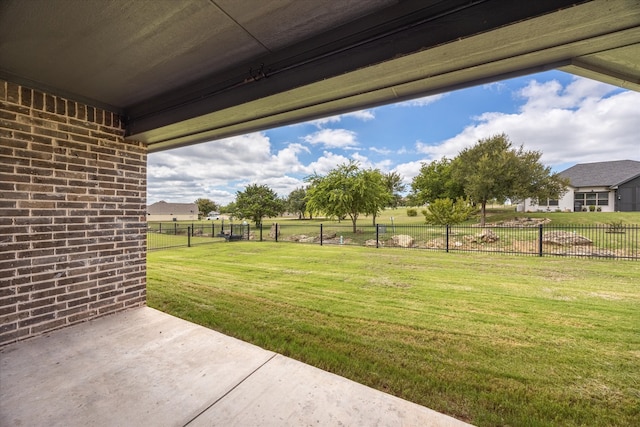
(547, 202)
(592, 198)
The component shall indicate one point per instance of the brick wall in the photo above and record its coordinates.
(72, 214)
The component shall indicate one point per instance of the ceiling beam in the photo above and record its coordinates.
(382, 37)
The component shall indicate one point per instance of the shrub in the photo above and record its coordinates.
(412, 212)
(447, 211)
(616, 227)
(592, 208)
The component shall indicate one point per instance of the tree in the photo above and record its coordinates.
(205, 206)
(257, 202)
(448, 212)
(229, 209)
(380, 196)
(347, 191)
(492, 169)
(434, 181)
(393, 182)
(297, 203)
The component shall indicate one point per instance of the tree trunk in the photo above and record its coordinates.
(353, 221)
(483, 213)
(374, 220)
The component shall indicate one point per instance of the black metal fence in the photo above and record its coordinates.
(164, 235)
(620, 241)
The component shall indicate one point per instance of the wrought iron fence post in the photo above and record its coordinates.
(213, 230)
(377, 235)
(261, 232)
(175, 228)
(248, 231)
(276, 232)
(320, 234)
(447, 237)
(540, 240)
(189, 229)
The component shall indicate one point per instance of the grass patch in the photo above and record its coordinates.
(490, 340)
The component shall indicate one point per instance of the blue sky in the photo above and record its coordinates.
(569, 119)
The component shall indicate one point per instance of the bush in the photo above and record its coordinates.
(592, 208)
(412, 212)
(447, 211)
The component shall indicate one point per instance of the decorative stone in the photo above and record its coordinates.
(402, 240)
(565, 238)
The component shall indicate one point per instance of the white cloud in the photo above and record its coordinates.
(321, 123)
(364, 115)
(422, 102)
(333, 138)
(409, 170)
(363, 161)
(576, 124)
(325, 163)
(218, 169)
(383, 151)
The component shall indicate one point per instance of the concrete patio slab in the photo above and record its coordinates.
(285, 392)
(143, 367)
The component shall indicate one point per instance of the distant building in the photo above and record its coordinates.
(607, 186)
(163, 211)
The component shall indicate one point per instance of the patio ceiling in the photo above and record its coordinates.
(188, 71)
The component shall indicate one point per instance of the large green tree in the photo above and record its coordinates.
(257, 202)
(435, 181)
(297, 202)
(395, 186)
(205, 206)
(348, 191)
(493, 169)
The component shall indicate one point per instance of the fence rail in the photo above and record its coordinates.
(540, 240)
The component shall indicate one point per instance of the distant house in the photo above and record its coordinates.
(163, 211)
(608, 186)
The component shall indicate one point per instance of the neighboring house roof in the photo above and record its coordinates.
(164, 208)
(607, 174)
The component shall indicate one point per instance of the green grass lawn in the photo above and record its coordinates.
(492, 340)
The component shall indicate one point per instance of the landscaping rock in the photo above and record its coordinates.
(485, 236)
(373, 243)
(565, 238)
(435, 244)
(302, 238)
(402, 240)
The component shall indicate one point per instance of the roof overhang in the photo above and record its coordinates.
(246, 66)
